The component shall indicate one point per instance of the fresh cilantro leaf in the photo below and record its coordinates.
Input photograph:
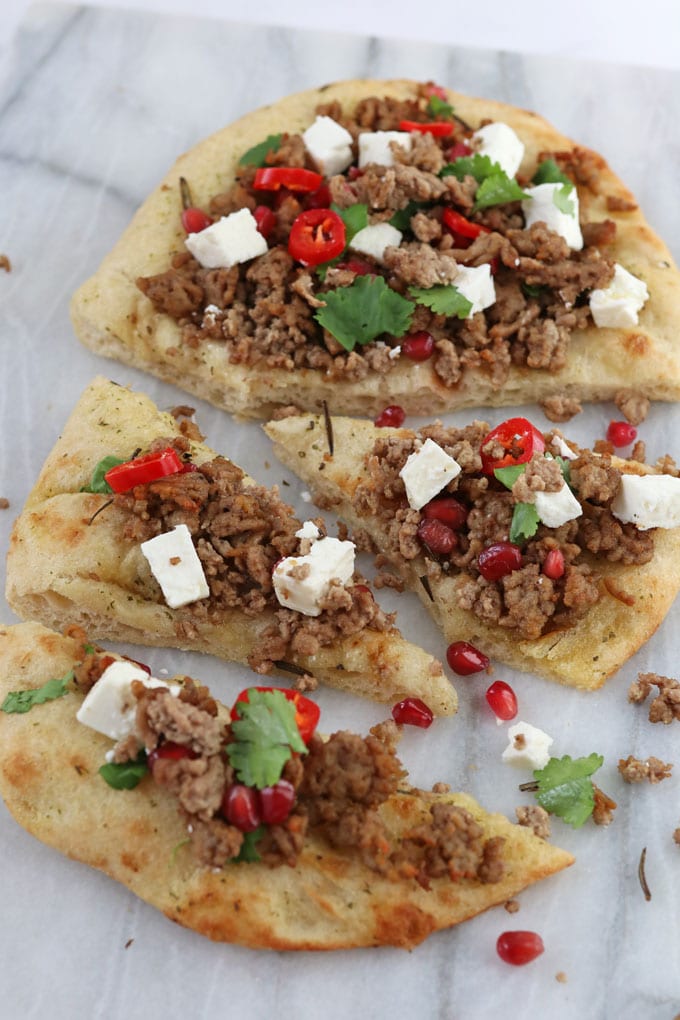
(18, 702)
(402, 217)
(257, 156)
(562, 201)
(565, 789)
(532, 290)
(265, 736)
(248, 851)
(125, 775)
(477, 166)
(355, 218)
(497, 189)
(438, 107)
(361, 312)
(507, 476)
(524, 522)
(565, 468)
(98, 483)
(548, 172)
(442, 299)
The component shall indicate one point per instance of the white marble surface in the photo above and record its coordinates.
(94, 107)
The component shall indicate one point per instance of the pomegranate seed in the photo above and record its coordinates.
(553, 564)
(265, 219)
(195, 220)
(458, 150)
(519, 947)
(240, 807)
(447, 509)
(620, 433)
(358, 267)
(418, 346)
(464, 659)
(354, 172)
(412, 712)
(502, 700)
(188, 466)
(437, 536)
(392, 417)
(276, 802)
(364, 589)
(319, 199)
(435, 90)
(169, 750)
(499, 559)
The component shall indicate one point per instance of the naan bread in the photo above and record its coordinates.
(584, 655)
(66, 565)
(114, 318)
(50, 783)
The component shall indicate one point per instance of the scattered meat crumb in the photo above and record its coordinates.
(561, 977)
(4, 503)
(635, 771)
(129, 943)
(445, 788)
(5, 263)
(306, 683)
(534, 817)
(182, 411)
(604, 807)
(639, 451)
(666, 705)
(386, 579)
(633, 406)
(512, 906)
(560, 407)
(676, 836)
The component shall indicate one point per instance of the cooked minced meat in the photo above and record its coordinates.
(653, 770)
(665, 707)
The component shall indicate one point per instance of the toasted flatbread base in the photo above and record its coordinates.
(583, 656)
(67, 566)
(112, 317)
(49, 781)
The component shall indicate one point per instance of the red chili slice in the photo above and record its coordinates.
(148, 468)
(458, 223)
(195, 220)
(317, 235)
(457, 150)
(438, 128)
(271, 178)
(265, 219)
(520, 441)
(307, 712)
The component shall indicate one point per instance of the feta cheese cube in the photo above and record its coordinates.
(301, 582)
(233, 239)
(617, 305)
(329, 144)
(529, 747)
(556, 508)
(476, 284)
(500, 143)
(541, 206)
(426, 472)
(308, 530)
(562, 449)
(373, 240)
(648, 501)
(374, 146)
(109, 706)
(175, 564)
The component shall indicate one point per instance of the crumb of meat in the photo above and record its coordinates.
(534, 817)
(594, 478)
(512, 906)
(182, 411)
(540, 475)
(452, 844)
(441, 788)
(676, 836)
(560, 407)
(162, 716)
(639, 451)
(286, 411)
(386, 579)
(602, 534)
(215, 842)
(125, 750)
(635, 771)
(87, 672)
(615, 203)
(4, 503)
(604, 807)
(561, 977)
(665, 707)
(667, 465)
(5, 263)
(420, 265)
(633, 406)
(306, 683)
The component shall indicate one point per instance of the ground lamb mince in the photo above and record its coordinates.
(525, 600)
(240, 532)
(263, 310)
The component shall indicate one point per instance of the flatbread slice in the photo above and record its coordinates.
(583, 652)
(49, 780)
(70, 561)
(500, 360)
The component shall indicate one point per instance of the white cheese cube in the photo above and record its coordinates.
(109, 706)
(308, 530)
(617, 305)
(175, 564)
(233, 239)
(562, 449)
(373, 240)
(476, 284)
(541, 206)
(329, 144)
(556, 508)
(374, 146)
(529, 747)
(329, 559)
(648, 501)
(500, 143)
(426, 472)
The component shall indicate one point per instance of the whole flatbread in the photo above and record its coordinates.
(66, 565)
(583, 656)
(114, 318)
(49, 781)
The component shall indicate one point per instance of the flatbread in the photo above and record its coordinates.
(584, 655)
(112, 317)
(66, 565)
(49, 782)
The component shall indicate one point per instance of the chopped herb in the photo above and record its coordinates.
(525, 521)
(562, 201)
(477, 166)
(265, 736)
(18, 702)
(125, 775)
(507, 476)
(532, 290)
(257, 156)
(565, 468)
(442, 299)
(361, 312)
(548, 172)
(565, 788)
(438, 107)
(402, 217)
(98, 483)
(495, 187)
(355, 218)
(248, 851)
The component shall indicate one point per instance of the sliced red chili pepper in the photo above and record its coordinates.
(319, 199)
(457, 150)
(458, 224)
(148, 468)
(438, 128)
(307, 712)
(317, 235)
(519, 439)
(271, 178)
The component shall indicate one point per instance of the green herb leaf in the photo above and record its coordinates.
(361, 312)
(525, 521)
(257, 156)
(355, 218)
(98, 483)
(507, 476)
(438, 107)
(442, 299)
(477, 166)
(565, 468)
(562, 201)
(18, 702)
(125, 775)
(532, 290)
(548, 172)
(265, 736)
(248, 851)
(565, 789)
(402, 217)
(497, 189)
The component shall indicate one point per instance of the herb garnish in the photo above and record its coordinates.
(248, 851)
(495, 187)
(442, 299)
(98, 483)
(548, 172)
(524, 524)
(565, 788)
(361, 312)
(265, 736)
(18, 702)
(402, 217)
(562, 201)
(125, 775)
(257, 156)
(438, 107)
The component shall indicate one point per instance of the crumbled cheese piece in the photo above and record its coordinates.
(232, 239)
(500, 143)
(374, 146)
(329, 144)
(648, 501)
(476, 284)
(373, 240)
(394, 352)
(556, 508)
(109, 706)
(540, 206)
(529, 747)
(563, 449)
(426, 472)
(175, 564)
(301, 582)
(618, 304)
(308, 530)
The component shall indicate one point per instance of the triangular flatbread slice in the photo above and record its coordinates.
(72, 560)
(247, 338)
(49, 779)
(631, 598)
